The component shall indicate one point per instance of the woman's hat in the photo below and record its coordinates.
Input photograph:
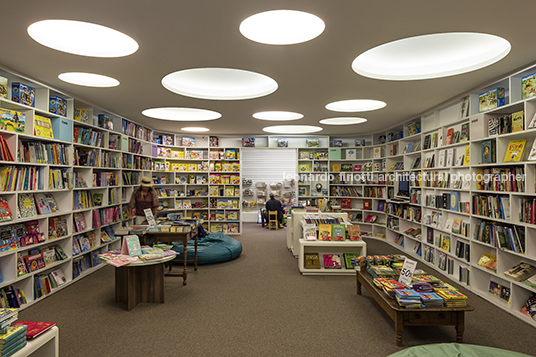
(146, 182)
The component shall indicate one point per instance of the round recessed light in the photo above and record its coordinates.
(343, 121)
(88, 79)
(195, 129)
(431, 56)
(355, 105)
(219, 83)
(282, 27)
(277, 115)
(181, 114)
(82, 38)
(292, 129)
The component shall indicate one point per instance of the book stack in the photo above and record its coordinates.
(381, 271)
(453, 298)
(13, 339)
(430, 299)
(7, 317)
(408, 298)
(389, 285)
(422, 287)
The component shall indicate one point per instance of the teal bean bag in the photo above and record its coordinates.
(211, 249)
(455, 350)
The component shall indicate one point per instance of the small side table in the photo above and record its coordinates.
(141, 281)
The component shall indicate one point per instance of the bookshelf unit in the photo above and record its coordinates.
(199, 182)
(69, 165)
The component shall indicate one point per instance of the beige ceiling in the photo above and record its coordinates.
(176, 35)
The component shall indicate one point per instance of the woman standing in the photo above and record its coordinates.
(142, 198)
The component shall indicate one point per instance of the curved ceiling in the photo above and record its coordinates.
(205, 34)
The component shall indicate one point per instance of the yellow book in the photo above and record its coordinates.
(515, 150)
(467, 156)
(517, 121)
(324, 231)
(336, 168)
(303, 168)
(43, 127)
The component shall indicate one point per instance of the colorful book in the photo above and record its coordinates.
(42, 203)
(332, 261)
(27, 206)
(312, 261)
(338, 231)
(354, 232)
(35, 328)
(324, 232)
(43, 127)
(5, 212)
(514, 152)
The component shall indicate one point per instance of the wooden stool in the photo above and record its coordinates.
(273, 223)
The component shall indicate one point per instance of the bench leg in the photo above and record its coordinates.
(460, 326)
(399, 328)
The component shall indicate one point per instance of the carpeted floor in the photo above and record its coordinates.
(257, 305)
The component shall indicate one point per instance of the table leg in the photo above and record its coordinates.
(399, 327)
(460, 326)
(358, 284)
(195, 256)
(185, 273)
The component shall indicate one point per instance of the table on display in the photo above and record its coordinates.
(172, 237)
(329, 247)
(140, 281)
(427, 316)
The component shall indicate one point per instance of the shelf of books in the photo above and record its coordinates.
(327, 244)
(61, 188)
(198, 181)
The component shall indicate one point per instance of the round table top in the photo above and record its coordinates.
(150, 262)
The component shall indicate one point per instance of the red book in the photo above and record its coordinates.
(35, 328)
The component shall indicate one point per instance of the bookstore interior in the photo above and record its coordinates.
(453, 188)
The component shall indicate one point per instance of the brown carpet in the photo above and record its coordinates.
(256, 305)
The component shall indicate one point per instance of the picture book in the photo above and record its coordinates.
(338, 231)
(12, 333)
(488, 260)
(42, 203)
(354, 232)
(336, 143)
(11, 120)
(532, 123)
(521, 271)
(79, 222)
(514, 151)
(213, 141)
(27, 206)
(312, 142)
(131, 246)
(312, 261)
(332, 261)
(188, 142)
(467, 156)
(445, 243)
(532, 154)
(43, 127)
(309, 231)
(35, 328)
(3, 87)
(248, 142)
(282, 143)
(517, 121)
(359, 142)
(486, 152)
(348, 263)
(5, 212)
(324, 232)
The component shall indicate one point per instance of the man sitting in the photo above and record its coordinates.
(275, 205)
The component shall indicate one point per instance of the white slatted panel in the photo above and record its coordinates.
(266, 165)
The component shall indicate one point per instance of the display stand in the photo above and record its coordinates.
(329, 247)
(46, 345)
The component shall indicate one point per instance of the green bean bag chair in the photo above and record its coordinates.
(211, 249)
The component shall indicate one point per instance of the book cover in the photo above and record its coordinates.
(488, 260)
(213, 141)
(517, 121)
(348, 257)
(312, 261)
(514, 152)
(332, 261)
(13, 332)
(27, 206)
(354, 232)
(248, 142)
(11, 120)
(43, 127)
(532, 154)
(131, 246)
(324, 232)
(5, 212)
(312, 142)
(467, 156)
(486, 151)
(338, 232)
(42, 203)
(80, 222)
(35, 328)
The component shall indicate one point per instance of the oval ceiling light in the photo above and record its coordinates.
(219, 83)
(277, 115)
(82, 38)
(431, 56)
(195, 129)
(181, 114)
(292, 129)
(282, 27)
(356, 105)
(88, 79)
(343, 121)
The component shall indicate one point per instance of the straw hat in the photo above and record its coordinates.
(146, 182)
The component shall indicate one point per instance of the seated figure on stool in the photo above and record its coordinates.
(275, 205)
